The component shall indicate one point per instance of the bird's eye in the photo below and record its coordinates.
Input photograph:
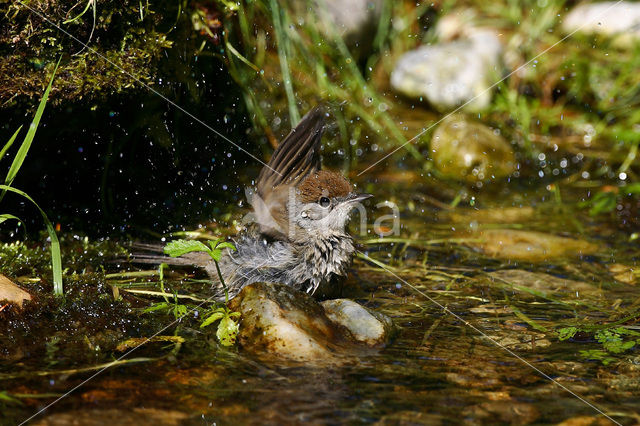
(324, 201)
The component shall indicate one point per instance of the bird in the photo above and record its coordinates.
(300, 212)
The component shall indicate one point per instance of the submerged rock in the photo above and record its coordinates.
(467, 150)
(616, 19)
(365, 326)
(11, 293)
(452, 74)
(281, 322)
(528, 246)
(489, 215)
(543, 283)
(119, 416)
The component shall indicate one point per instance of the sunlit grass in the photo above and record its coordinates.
(16, 164)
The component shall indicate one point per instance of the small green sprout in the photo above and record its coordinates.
(227, 327)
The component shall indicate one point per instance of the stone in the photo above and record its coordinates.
(508, 412)
(620, 20)
(11, 293)
(491, 215)
(365, 326)
(527, 246)
(452, 74)
(280, 322)
(120, 416)
(470, 151)
(356, 21)
(624, 273)
(543, 283)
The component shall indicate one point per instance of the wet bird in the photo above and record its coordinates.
(300, 213)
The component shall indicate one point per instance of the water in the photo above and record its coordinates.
(443, 367)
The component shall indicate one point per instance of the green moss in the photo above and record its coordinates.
(124, 46)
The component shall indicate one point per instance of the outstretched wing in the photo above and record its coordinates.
(296, 156)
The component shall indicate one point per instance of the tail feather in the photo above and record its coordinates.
(143, 253)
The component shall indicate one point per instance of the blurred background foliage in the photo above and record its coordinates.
(250, 69)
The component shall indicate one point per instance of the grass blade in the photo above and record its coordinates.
(8, 144)
(56, 258)
(279, 29)
(5, 217)
(26, 143)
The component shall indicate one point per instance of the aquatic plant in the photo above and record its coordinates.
(16, 164)
(227, 327)
(614, 340)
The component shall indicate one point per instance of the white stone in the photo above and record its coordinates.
(608, 18)
(452, 74)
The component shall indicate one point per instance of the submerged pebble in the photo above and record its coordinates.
(365, 326)
(528, 246)
(470, 151)
(541, 282)
(119, 416)
(281, 322)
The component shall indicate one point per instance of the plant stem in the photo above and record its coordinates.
(226, 291)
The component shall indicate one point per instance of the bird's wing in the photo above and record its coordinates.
(294, 158)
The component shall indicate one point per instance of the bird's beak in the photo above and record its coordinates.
(355, 198)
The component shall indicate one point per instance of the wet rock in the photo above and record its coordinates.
(354, 20)
(616, 19)
(495, 215)
(278, 321)
(454, 73)
(585, 421)
(624, 273)
(365, 326)
(543, 283)
(11, 293)
(528, 246)
(510, 412)
(490, 308)
(406, 418)
(470, 151)
(98, 417)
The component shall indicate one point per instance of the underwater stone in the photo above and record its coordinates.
(280, 322)
(117, 416)
(365, 326)
(542, 283)
(9, 292)
(470, 151)
(452, 74)
(615, 19)
(527, 246)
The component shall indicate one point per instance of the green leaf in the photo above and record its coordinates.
(227, 331)
(180, 310)
(28, 139)
(8, 144)
(567, 333)
(157, 307)
(226, 245)
(56, 258)
(178, 248)
(212, 318)
(598, 355)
